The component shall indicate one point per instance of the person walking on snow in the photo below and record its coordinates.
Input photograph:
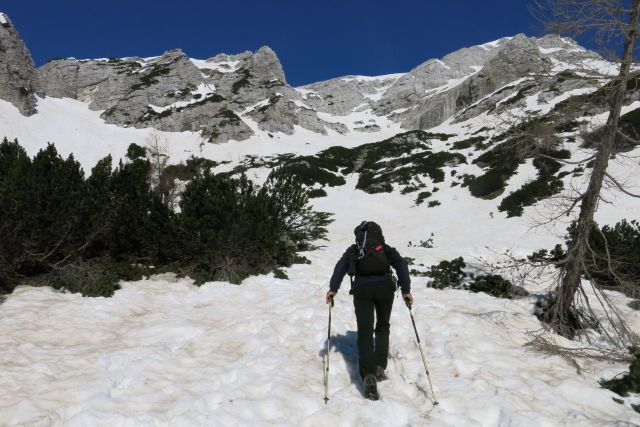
(373, 287)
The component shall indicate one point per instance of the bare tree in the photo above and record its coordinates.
(606, 22)
(158, 153)
(162, 183)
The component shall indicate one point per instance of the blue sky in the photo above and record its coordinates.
(314, 39)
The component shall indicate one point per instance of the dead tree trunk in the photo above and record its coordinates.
(560, 316)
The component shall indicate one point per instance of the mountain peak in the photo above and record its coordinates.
(4, 20)
(267, 63)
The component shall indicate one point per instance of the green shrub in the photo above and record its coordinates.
(422, 196)
(622, 243)
(310, 172)
(615, 262)
(316, 193)
(380, 165)
(492, 284)
(135, 151)
(91, 279)
(628, 383)
(491, 184)
(279, 273)
(236, 229)
(529, 194)
(447, 274)
(83, 235)
(467, 143)
(300, 259)
(557, 254)
(428, 243)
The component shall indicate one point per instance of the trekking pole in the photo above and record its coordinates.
(326, 371)
(424, 360)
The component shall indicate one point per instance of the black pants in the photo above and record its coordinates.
(367, 298)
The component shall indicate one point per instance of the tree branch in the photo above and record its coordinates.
(620, 187)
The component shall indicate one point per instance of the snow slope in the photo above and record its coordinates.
(74, 128)
(164, 352)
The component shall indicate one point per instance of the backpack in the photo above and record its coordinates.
(369, 257)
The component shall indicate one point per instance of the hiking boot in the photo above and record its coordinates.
(371, 387)
(380, 375)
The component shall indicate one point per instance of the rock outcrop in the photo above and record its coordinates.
(344, 95)
(439, 89)
(175, 93)
(18, 77)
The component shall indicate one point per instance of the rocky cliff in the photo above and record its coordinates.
(175, 93)
(18, 77)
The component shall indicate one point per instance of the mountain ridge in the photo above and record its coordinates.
(220, 96)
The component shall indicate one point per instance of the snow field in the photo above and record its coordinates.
(164, 352)
(81, 131)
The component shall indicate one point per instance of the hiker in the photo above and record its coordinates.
(373, 287)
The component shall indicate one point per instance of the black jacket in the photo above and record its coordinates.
(396, 261)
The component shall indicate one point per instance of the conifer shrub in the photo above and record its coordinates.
(300, 259)
(451, 274)
(491, 184)
(316, 193)
(94, 278)
(310, 171)
(448, 274)
(422, 196)
(135, 151)
(85, 234)
(615, 261)
(279, 273)
(492, 284)
(468, 143)
(530, 193)
(622, 243)
(629, 382)
(379, 165)
(236, 229)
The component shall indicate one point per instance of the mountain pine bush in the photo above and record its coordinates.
(615, 262)
(448, 274)
(84, 235)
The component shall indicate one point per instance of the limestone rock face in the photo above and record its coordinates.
(226, 97)
(161, 83)
(441, 89)
(344, 95)
(100, 83)
(175, 93)
(18, 76)
(281, 115)
(435, 76)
